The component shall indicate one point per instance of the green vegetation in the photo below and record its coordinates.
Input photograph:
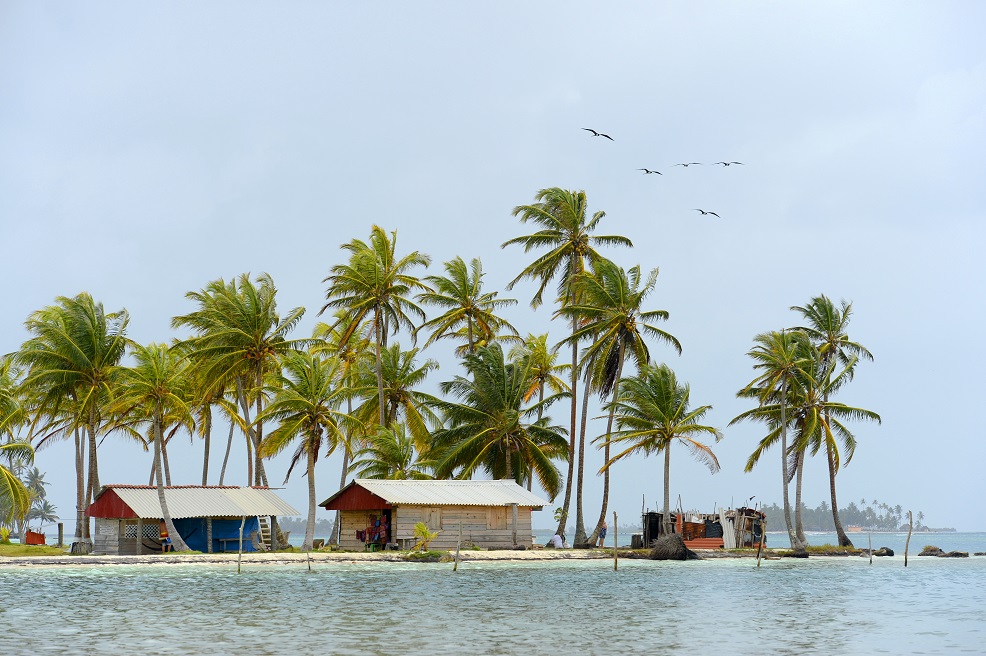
(424, 535)
(8, 550)
(353, 386)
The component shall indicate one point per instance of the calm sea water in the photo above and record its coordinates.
(818, 606)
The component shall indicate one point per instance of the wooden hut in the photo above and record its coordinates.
(492, 514)
(208, 518)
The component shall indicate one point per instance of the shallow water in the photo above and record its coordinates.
(823, 606)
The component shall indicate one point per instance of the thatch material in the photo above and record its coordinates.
(671, 547)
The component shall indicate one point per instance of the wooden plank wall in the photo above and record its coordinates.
(482, 526)
(106, 537)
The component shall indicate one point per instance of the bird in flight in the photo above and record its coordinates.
(598, 134)
(728, 163)
(646, 171)
(704, 212)
(689, 164)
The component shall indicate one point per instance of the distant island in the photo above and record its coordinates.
(870, 516)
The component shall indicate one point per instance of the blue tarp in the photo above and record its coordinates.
(193, 531)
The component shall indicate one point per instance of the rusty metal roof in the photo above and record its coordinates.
(202, 501)
(451, 493)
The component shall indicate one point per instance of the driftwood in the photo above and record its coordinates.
(671, 547)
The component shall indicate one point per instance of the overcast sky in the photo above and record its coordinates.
(147, 149)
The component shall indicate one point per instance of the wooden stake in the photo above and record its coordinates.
(239, 556)
(870, 536)
(910, 527)
(455, 567)
(763, 536)
(616, 541)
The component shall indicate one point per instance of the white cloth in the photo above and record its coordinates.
(556, 541)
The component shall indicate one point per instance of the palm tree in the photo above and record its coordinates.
(305, 403)
(403, 400)
(15, 498)
(348, 354)
(239, 338)
(71, 360)
(390, 454)
(488, 430)
(652, 413)
(612, 320)
(374, 287)
(460, 294)
(542, 362)
(157, 389)
(566, 231)
(778, 356)
(827, 329)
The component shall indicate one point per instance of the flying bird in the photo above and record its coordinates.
(598, 134)
(646, 171)
(689, 164)
(704, 212)
(728, 163)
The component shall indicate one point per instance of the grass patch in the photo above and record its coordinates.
(831, 549)
(27, 550)
(428, 556)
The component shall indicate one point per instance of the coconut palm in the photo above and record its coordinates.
(239, 338)
(826, 326)
(488, 429)
(404, 401)
(460, 294)
(374, 289)
(778, 356)
(15, 498)
(306, 404)
(542, 362)
(566, 233)
(348, 353)
(614, 324)
(390, 454)
(157, 389)
(71, 365)
(652, 412)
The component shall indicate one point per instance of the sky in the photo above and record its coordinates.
(148, 149)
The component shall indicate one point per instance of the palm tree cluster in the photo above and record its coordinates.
(800, 370)
(353, 387)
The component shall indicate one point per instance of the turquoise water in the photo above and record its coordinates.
(818, 606)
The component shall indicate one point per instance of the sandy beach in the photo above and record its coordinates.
(339, 557)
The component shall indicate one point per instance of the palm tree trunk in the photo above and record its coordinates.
(609, 429)
(337, 529)
(795, 543)
(840, 532)
(580, 537)
(80, 487)
(799, 525)
(667, 490)
(258, 435)
(229, 446)
(310, 527)
(563, 519)
(177, 543)
(472, 348)
(245, 408)
(378, 330)
(167, 467)
(207, 435)
(92, 487)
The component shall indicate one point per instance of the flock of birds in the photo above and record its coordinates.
(684, 164)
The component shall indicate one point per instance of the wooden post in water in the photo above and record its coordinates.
(870, 537)
(616, 541)
(910, 527)
(455, 566)
(61, 534)
(763, 536)
(239, 556)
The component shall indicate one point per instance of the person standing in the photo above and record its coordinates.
(165, 539)
(602, 535)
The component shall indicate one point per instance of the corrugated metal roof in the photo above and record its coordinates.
(198, 501)
(451, 493)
